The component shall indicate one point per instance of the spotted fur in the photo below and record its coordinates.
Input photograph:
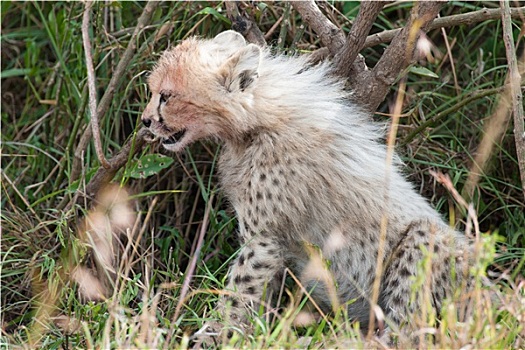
(301, 166)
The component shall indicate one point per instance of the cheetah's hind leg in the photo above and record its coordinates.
(424, 269)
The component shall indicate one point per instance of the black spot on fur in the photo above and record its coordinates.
(444, 275)
(250, 290)
(397, 300)
(243, 279)
(371, 271)
(250, 255)
(261, 265)
(404, 272)
(355, 276)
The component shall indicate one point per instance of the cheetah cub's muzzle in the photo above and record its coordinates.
(204, 89)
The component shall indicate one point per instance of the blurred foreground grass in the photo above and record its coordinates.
(46, 261)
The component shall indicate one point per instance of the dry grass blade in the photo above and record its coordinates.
(193, 263)
(317, 270)
(471, 212)
(493, 132)
(391, 140)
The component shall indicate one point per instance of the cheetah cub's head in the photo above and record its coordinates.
(203, 89)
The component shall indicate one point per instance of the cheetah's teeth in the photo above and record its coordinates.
(174, 138)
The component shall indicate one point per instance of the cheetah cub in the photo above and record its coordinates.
(303, 167)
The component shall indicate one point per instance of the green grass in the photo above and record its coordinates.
(44, 114)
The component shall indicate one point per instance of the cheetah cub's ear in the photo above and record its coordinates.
(230, 39)
(240, 71)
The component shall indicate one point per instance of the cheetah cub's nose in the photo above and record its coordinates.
(146, 122)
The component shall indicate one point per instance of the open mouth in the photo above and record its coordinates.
(174, 138)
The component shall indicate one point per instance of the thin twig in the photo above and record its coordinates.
(270, 31)
(103, 176)
(451, 59)
(95, 129)
(448, 21)
(122, 67)
(515, 90)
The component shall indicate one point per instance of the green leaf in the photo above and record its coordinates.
(214, 13)
(148, 165)
(423, 71)
(14, 72)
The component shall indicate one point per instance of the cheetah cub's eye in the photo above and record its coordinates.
(164, 97)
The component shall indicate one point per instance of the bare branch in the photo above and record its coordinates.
(318, 55)
(122, 66)
(515, 90)
(355, 39)
(244, 24)
(95, 129)
(331, 36)
(103, 176)
(448, 21)
(370, 89)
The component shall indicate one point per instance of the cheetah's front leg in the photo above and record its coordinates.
(257, 268)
